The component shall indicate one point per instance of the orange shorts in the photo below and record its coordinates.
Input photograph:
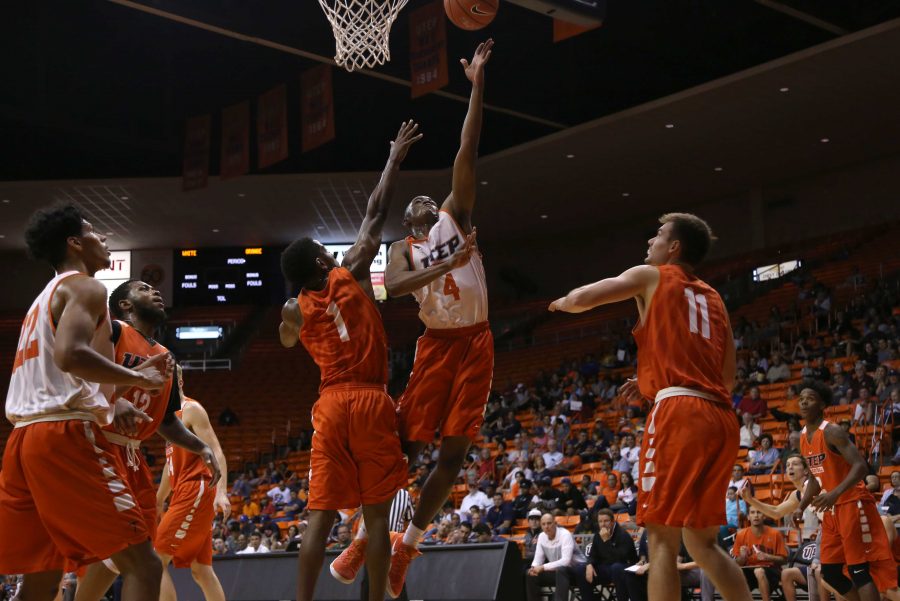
(64, 499)
(853, 534)
(140, 480)
(687, 454)
(355, 457)
(185, 530)
(449, 384)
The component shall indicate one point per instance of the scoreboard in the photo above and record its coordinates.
(234, 275)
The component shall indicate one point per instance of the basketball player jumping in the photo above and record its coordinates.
(686, 362)
(852, 533)
(139, 311)
(451, 375)
(356, 457)
(64, 494)
(184, 536)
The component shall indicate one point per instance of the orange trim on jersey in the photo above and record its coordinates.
(50, 299)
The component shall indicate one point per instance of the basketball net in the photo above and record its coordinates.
(362, 29)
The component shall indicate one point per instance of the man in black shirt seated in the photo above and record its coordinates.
(612, 550)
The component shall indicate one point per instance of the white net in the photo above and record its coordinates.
(362, 30)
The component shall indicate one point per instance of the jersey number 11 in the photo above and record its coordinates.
(696, 301)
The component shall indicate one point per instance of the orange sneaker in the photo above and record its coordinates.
(401, 555)
(347, 565)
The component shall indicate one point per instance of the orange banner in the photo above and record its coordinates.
(196, 153)
(428, 49)
(316, 107)
(235, 157)
(271, 127)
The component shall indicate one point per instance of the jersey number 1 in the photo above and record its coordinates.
(696, 301)
(338, 321)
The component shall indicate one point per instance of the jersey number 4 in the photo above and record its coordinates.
(695, 302)
(450, 287)
(335, 312)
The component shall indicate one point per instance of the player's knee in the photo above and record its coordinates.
(859, 574)
(200, 572)
(833, 574)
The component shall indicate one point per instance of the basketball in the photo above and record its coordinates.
(471, 14)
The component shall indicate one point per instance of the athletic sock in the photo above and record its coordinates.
(361, 534)
(412, 536)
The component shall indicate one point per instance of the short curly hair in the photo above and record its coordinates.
(695, 235)
(116, 296)
(50, 228)
(822, 390)
(298, 261)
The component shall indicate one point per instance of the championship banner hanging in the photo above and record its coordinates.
(235, 159)
(316, 107)
(195, 171)
(271, 127)
(428, 49)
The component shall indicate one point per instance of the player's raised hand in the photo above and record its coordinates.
(475, 69)
(745, 494)
(127, 418)
(464, 254)
(406, 137)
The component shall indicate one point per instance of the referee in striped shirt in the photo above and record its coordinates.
(400, 515)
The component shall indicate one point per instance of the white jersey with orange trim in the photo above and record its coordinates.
(38, 389)
(458, 299)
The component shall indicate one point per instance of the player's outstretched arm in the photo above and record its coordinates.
(172, 430)
(195, 417)
(291, 322)
(773, 511)
(359, 257)
(461, 200)
(400, 279)
(630, 284)
(85, 307)
(165, 487)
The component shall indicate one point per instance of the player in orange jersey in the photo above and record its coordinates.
(139, 311)
(64, 497)
(852, 533)
(355, 458)
(184, 536)
(451, 376)
(686, 363)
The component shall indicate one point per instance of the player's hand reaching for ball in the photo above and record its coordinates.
(475, 69)
(406, 137)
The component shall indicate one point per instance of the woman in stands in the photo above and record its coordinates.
(626, 499)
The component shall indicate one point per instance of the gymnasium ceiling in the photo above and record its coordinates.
(97, 93)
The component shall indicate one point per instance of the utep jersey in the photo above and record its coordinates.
(828, 467)
(183, 465)
(38, 389)
(343, 332)
(132, 349)
(683, 338)
(458, 299)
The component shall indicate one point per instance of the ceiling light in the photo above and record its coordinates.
(626, 194)
(824, 140)
(717, 169)
(123, 197)
(357, 192)
(670, 125)
(2, 236)
(782, 90)
(215, 230)
(320, 227)
(109, 233)
(543, 216)
(484, 182)
(570, 156)
(241, 195)
(6, 201)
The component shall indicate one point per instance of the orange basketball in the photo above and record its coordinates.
(471, 14)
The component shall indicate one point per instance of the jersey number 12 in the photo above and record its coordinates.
(695, 302)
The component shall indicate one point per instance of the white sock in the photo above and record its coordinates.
(361, 534)
(412, 536)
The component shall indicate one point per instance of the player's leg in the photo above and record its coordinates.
(141, 572)
(39, 586)
(378, 554)
(762, 582)
(312, 551)
(790, 578)
(451, 456)
(166, 586)
(663, 544)
(716, 564)
(206, 579)
(95, 583)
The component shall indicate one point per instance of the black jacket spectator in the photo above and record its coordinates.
(500, 518)
(618, 549)
(571, 497)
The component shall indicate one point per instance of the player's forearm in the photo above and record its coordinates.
(858, 472)
(380, 200)
(222, 485)
(812, 489)
(172, 430)
(406, 282)
(471, 129)
(84, 362)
